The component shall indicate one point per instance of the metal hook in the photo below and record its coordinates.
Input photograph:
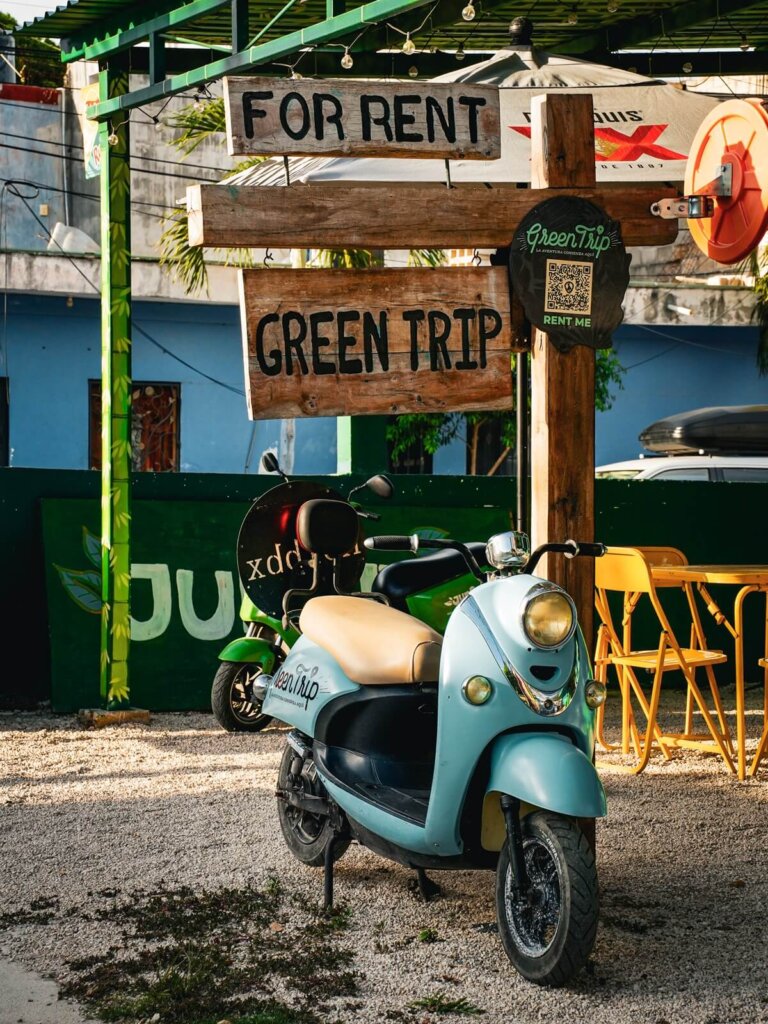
(287, 169)
(477, 259)
(268, 258)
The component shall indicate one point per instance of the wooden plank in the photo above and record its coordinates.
(397, 216)
(563, 383)
(338, 117)
(357, 342)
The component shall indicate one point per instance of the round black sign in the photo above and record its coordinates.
(570, 270)
(270, 559)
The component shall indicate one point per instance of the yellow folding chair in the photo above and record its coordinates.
(762, 747)
(627, 572)
(654, 556)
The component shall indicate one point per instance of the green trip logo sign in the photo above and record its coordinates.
(565, 253)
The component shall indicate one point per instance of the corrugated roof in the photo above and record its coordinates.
(561, 26)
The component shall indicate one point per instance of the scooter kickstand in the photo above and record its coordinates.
(428, 890)
(328, 866)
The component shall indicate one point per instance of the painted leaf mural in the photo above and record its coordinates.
(92, 548)
(83, 586)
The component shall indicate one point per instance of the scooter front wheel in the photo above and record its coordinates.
(306, 834)
(548, 928)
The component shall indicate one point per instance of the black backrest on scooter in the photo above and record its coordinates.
(327, 527)
(401, 579)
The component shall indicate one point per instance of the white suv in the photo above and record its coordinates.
(734, 468)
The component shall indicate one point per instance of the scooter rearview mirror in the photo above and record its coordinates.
(270, 464)
(381, 486)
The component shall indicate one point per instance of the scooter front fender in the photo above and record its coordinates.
(250, 649)
(546, 770)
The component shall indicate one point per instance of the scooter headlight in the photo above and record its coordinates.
(549, 618)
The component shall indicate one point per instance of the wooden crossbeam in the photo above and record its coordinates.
(397, 215)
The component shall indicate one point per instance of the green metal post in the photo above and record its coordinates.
(361, 444)
(115, 394)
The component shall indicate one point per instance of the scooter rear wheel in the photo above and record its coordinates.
(548, 931)
(307, 835)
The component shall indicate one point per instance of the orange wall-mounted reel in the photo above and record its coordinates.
(726, 182)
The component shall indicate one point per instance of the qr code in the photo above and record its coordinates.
(569, 287)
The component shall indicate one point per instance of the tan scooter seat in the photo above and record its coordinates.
(375, 645)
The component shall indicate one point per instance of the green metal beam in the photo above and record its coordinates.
(76, 47)
(314, 35)
(649, 28)
(115, 399)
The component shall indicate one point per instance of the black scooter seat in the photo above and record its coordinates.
(400, 580)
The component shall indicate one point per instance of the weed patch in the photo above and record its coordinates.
(440, 1003)
(249, 955)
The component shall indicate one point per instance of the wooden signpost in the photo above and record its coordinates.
(410, 215)
(358, 215)
(331, 342)
(342, 118)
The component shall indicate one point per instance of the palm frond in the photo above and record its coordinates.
(186, 262)
(197, 124)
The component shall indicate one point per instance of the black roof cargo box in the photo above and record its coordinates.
(717, 430)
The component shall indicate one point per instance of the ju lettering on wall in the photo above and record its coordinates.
(185, 591)
(341, 118)
(342, 342)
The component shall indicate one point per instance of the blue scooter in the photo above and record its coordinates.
(468, 751)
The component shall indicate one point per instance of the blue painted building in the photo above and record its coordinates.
(50, 318)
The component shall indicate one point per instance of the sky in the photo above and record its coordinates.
(25, 10)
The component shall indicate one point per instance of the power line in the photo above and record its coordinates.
(86, 195)
(134, 156)
(142, 170)
(134, 326)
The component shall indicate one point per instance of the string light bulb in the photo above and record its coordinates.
(112, 139)
(409, 46)
(346, 61)
(612, 7)
(743, 43)
(413, 71)
(687, 67)
(469, 13)
(573, 17)
(460, 55)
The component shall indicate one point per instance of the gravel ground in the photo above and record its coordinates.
(682, 863)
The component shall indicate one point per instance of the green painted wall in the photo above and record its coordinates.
(188, 523)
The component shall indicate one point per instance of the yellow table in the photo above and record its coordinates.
(750, 579)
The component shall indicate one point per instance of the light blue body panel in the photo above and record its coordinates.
(545, 769)
(466, 731)
(396, 830)
(307, 680)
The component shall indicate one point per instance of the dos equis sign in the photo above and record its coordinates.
(335, 342)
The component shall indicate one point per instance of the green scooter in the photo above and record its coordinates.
(271, 562)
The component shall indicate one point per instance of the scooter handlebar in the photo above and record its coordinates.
(587, 548)
(392, 542)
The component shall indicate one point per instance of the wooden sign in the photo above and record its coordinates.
(355, 215)
(357, 342)
(333, 117)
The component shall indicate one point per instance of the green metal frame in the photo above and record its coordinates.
(115, 397)
(237, 62)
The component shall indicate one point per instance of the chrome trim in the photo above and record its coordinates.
(545, 704)
(543, 588)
